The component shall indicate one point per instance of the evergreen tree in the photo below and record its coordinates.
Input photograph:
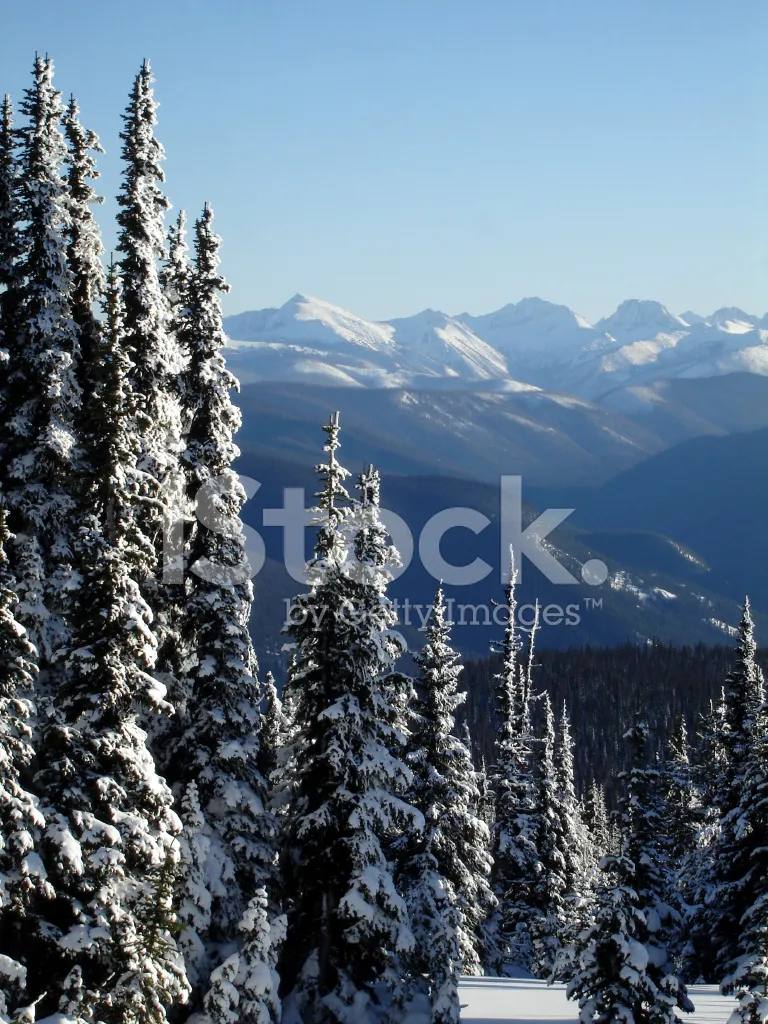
(84, 241)
(154, 355)
(516, 862)
(556, 881)
(622, 968)
(21, 821)
(597, 820)
(176, 273)
(723, 861)
(275, 728)
(110, 850)
(217, 743)
(197, 885)
(10, 278)
(579, 858)
(445, 869)
(681, 818)
(346, 921)
(747, 975)
(244, 989)
(485, 801)
(43, 392)
(156, 362)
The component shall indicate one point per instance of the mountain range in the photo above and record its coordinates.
(636, 422)
(529, 345)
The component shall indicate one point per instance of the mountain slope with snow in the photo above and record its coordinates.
(311, 340)
(530, 343)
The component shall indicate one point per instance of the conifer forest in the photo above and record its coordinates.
(184, 839)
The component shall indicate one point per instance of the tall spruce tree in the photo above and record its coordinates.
(244, 989)
(156, 361)
(555, 882)
(217, 744)
(10, 274)
(108, 952)
(176, 272)
(22, 823)
(275, 727)
(346, 922)
(682, 817)
(84, 248)
(516, 862)
(597, 820)
(43, 392)
(720, 899)
(444, 869)
(622, 968)
(579, 855)
(747, 887)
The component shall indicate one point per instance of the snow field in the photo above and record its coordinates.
(530, 1001)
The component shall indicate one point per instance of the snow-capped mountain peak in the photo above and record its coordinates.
(641, 320)
(692, 319)
(304, 319)
(733, 320)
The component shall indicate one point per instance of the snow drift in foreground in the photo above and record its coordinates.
(528, 1001)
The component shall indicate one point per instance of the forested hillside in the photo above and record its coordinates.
(604, 687)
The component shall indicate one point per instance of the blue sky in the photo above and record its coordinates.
(389, 155)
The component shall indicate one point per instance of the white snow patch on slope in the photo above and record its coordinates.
(529, 1001)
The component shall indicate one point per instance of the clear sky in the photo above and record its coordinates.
(389, 155)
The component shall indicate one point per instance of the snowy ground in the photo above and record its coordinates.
(527, 1001)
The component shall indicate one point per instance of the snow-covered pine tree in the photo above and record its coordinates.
(747, 975)
(43, 392)
(156, 360)
(244, 989)
(10, 278)
(110, 850)
(275, 728)
(622, 967)
(737, 853)
(554, 883)
(175, 277)
(444, 870)
(176, 272)
(681, 817)
(346, 922)
(580, 856)
(715, 928)
(84, 241)
(153, 351)
(21, 822)
(516, 862)
(597, 820)
(217, 743)
(485, 802)
(682, 822)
